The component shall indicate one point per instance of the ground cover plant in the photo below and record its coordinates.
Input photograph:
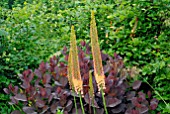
(104, 88)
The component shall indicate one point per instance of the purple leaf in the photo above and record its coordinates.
(99, 111)
(154, 100)
(38, 73)
(16, 112)
(86, 98)
(69, 106)
(53, 107)
(28, 110)
(45, 108)
(40, 103)
(11, 88)
(6, 91)
(130, 95)
(88, 49)
(143, 110)
(47, 66)
(153, 104)
(104, 56)
(118, 109)
(64, 50)
(149, 94)
(142, 96)
(135, 101)
(20, 97)
(107, 67)
(112, 102)
(42, 67)
(63, 100)
(83, 43)
(15, 89)
(94, 103)
(31, 76)
(132, 112)
(25, 84)
(47, 86)
(58, 83)
(63, 80)
(46, 78)
(37, 82)
(26, 72)
(13, 101)
(43, 91)
(50, 98)
(74, 111)
(136, 84)
(65, 112)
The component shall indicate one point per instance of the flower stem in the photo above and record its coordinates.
(156, 92)
(75, 103)
(81, 103)
(104, 102)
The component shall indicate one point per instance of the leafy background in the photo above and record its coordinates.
(32, 31)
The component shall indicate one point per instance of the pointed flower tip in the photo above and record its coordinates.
(92, 14)
(72, 27)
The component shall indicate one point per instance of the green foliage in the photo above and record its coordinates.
(59, 112)
(34, 30)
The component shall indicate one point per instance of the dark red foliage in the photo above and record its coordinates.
(46, 89)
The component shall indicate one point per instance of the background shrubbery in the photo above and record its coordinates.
(31, 32)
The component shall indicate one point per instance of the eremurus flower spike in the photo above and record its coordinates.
(97, 60)
(75, 68)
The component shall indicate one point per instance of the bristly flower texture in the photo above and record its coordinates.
(97, 60)
(74, 64)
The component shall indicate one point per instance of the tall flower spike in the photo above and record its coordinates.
(97, 60)
(75, 68)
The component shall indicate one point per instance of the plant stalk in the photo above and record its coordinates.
(81, 103)
(156, 92)
(75, 103)
(104, 101)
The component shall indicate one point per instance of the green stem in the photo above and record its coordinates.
(104, 102)
(156, 92)
(81, 103)
(18, 107)
(13, 107)
(75, 102)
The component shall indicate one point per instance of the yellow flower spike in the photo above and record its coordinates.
(97, 60)
(75, 68)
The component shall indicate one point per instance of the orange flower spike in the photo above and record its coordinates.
(97, 60)
(76, 77)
